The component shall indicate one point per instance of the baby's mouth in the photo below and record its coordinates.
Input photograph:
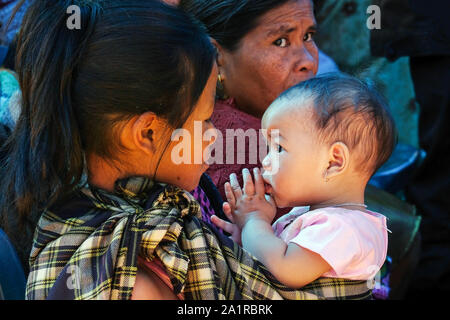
(268, 188)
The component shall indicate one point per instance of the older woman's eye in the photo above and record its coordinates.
(309, 36)
(282, 42)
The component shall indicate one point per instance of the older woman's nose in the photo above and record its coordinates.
(306, 61)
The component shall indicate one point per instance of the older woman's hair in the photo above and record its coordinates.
(126, 58)
(352, 111)
(228, 21)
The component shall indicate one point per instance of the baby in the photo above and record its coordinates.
(326, 138)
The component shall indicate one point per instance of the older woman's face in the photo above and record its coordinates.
(279, 53)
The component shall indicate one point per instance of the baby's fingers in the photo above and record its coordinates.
(230, 195)
(259, 182)
(270, 199)
(249, 188)
(228, 211)
(235, 187)
(222, 224)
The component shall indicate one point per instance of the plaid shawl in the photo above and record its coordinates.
(87, 248)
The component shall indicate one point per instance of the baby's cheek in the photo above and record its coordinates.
(281, 181)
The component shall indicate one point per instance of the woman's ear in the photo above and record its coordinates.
(143, 132)
(338, 159)
(219, 58)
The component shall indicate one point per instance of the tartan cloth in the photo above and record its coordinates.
(205, 205)
(87, 248)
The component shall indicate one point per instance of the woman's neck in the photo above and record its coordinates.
(101, 173)
(246, 109)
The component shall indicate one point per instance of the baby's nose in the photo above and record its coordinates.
(266, 164)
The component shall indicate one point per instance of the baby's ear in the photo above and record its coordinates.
(338, 159)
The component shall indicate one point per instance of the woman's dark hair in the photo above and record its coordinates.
(128, 57)
(228, 21)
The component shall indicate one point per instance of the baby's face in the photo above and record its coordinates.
(295, 165)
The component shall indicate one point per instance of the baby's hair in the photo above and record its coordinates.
(351, 111)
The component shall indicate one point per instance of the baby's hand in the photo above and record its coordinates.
(229, 227)
(251, 201)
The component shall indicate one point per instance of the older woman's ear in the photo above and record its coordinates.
(338, 160)
(220, 53)
(221, 70)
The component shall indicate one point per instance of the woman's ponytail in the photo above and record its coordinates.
(78, 85)
(44, 155)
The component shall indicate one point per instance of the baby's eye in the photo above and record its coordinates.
(280, 149)
(282, 42)
(308, 37)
